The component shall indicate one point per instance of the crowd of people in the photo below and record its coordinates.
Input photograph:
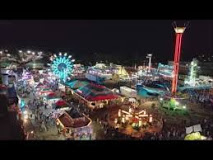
(203, 97)
(178, 132)
(36, 109)
(45, 120)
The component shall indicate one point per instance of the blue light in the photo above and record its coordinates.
(62, 66)
(22, 103)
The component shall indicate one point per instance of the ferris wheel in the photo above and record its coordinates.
(62, 65)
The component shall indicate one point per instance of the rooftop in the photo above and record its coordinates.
(93, 92)
(73, 119)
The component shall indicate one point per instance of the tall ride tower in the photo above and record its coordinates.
(179, 33)
(149, 56)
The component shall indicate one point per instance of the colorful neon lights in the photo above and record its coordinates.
(62, 66)
(179, 32)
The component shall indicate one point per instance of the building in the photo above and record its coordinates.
(128, 92)
(96, 96)
(93, 95)
(73, 123)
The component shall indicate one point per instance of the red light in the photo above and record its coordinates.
(176, 61)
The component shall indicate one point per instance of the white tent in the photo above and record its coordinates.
(194, 128)
(132, 100)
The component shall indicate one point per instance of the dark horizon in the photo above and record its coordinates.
(132, 39)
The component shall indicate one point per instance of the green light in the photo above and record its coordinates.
(193, 73)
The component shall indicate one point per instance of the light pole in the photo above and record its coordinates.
(149, 56)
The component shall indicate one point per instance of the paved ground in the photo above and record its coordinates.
(52, 133)
(196, 113)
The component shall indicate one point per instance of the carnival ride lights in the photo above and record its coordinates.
(136, 118)
(192, 74)
(179, 33)
(165, 70)
(62, 65)
(172, 104)
(149, 56)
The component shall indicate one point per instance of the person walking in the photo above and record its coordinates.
(43, 126)
(45, 106)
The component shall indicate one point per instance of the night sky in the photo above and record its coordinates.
(129, 38)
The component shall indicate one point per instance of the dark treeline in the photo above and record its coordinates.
(90, 58)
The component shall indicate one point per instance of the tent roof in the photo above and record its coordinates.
(96, 92)
(52, 96)
(102, 97)
(76, 84)
(61, 103)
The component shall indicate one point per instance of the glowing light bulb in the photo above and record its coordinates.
(25, 112)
